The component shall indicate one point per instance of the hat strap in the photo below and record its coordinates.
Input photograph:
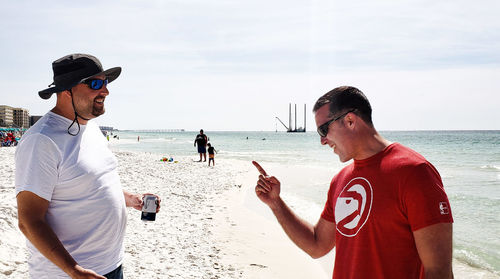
(76, 117)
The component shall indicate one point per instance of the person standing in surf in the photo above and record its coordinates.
(201, 140)
(211, 154)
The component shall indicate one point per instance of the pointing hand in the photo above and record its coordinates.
(268, 187)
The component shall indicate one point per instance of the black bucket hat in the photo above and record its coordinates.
(73, 69)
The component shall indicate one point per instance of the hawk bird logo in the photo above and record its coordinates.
(353, 206)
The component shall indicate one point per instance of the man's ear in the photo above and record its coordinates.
(350, 120)
(64, 93)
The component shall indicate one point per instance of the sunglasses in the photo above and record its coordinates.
(96, 84)
(323, 128)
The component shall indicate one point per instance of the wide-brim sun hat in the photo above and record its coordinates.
(73, 69)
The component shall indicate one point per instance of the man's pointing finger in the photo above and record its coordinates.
(259, 168)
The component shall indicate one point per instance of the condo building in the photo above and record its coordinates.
(14, 117)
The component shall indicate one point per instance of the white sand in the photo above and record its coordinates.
(209, 226)
(202, 231)
(13, 253)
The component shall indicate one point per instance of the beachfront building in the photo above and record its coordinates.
(6, 116)
(106, 128)
(14, 117)
(21, 118)
(34, 119)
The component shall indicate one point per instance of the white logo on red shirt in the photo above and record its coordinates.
(443, 207)
(353, 206)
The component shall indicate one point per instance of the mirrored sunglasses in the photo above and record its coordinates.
(96, 84)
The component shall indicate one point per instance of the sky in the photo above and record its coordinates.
(236, 65)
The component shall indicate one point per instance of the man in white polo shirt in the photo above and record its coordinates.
(71, 206)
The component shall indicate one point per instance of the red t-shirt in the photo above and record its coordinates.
(376, 205)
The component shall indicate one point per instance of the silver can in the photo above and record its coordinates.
(149, 206)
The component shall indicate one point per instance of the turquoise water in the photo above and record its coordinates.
(468, 161)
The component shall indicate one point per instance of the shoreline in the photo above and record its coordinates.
(255, 244)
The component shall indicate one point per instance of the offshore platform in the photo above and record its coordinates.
(289, 128)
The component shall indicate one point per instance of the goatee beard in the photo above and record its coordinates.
(98, 111)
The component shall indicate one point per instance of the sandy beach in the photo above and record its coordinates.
(204, 230)
(210, 225)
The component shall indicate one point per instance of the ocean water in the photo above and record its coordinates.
(468, 161)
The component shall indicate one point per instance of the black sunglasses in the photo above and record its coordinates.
(323, 128)
(96, 84)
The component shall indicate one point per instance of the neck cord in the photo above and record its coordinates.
(76, 117)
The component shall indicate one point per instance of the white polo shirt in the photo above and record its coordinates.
(78, 176)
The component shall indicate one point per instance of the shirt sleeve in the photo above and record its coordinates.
(37, 161)
(424, 199)
(327, 213)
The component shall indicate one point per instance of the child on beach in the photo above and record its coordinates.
(211, 154)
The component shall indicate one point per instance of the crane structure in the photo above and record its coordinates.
(289, 128)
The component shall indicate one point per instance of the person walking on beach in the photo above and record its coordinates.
(201, 140)
(386, 214)
(71, 205)
(211, 154)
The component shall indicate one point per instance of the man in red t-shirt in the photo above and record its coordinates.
(387, 214)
